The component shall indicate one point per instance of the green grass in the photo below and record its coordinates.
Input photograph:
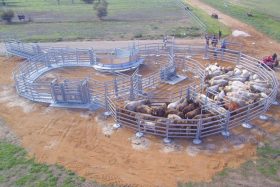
(270, 7)
(265, 171)
(213, 25)
(16, 169)
(266, 14)
(127, 19)
(269, 162)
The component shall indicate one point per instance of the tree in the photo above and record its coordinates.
(3, 3)
(101, 8)
(7, 15)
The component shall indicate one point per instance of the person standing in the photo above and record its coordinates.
(220, 34)
(207, 39)
(164, 41)
(214, 41)
(224, 44)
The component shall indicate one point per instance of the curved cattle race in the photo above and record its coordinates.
(188, 96)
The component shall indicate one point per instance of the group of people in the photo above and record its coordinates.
(214, 39)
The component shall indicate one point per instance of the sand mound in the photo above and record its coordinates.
(238, 33)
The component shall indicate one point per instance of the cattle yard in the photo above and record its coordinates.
(189, 65)
(169, 112)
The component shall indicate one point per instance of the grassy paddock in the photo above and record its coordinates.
(127, 19)
(213, 25)
(16, 169)
(266, 15)
(265, 171)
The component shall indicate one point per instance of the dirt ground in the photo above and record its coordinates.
(87, 144)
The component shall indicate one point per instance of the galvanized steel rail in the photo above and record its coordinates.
(88, 91)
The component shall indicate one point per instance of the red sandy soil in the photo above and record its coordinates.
(86, 143)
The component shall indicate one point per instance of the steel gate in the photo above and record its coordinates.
(73, 92)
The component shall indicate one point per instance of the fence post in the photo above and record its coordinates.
(34, 50)
(167, 140)
(53, 93)
(62, 56)
(197, 139)
(206, 54)
(85, 91)
(131, 94)
(46, 59)
(185, 64)
(62, 86)
(92, 57)
(55, 56)
(223, 51)
(22, 46)
(139, 84)
(116, 87)
(25, 85)
(190, 52)
(239, 57)
(188, 93)
(38, 49)
(247, 124)
(105, 97)
(107, 112)
(139, 133)
(77, 56)
(225, 132)
(266, 106)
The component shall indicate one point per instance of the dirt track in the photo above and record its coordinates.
(86, 144)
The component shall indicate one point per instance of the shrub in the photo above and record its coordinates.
(138, 35)
(101, 12)
(102, 9)
(7, 15)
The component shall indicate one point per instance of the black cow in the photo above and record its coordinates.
(21, 17)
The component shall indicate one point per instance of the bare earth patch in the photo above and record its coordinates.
(86, 143)
(76, 138)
